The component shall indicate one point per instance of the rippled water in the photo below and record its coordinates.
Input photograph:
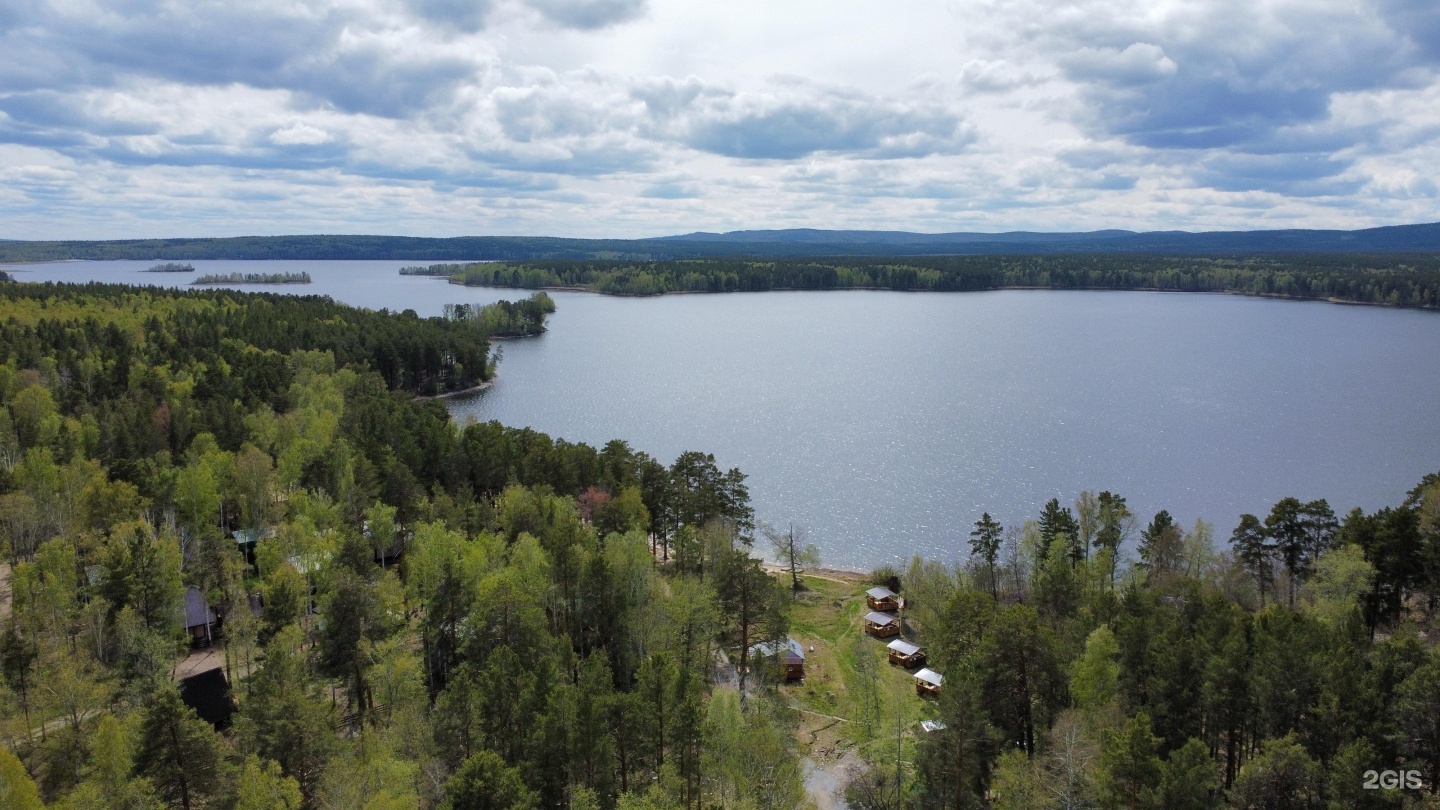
(886, 422)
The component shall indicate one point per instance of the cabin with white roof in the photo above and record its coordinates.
(927, 683)
(882, 625)
(882, 599)
(905, 654)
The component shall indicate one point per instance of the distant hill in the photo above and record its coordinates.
(802, 242)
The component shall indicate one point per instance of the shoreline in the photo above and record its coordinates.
(1239, 293)
(474, 389)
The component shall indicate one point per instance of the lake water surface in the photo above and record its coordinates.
(886, 423)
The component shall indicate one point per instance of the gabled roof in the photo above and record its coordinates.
(929, 676)
(903, 647)
(875, 617)
(197, 610)
(244, 537)
(880, 593)
(208, 693)
(794, 650)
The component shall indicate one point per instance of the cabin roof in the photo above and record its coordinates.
(208, 693)
(794, 650)
(245, 537)
(197, 610)
(882, 619)
(903, 647)
(880, 593)
(929, 676)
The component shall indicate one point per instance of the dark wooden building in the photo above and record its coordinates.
(790, 656)
(199, 618)
(208, 693)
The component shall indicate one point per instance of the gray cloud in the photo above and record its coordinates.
(463, 15)
(802, 120)
(589, 14)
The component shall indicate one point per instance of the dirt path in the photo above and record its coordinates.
(831, 762)
(4, 591)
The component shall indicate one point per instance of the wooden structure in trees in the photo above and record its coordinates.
(208, 693)
(199, 618)
(790, 656)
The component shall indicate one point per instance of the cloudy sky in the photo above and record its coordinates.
(136, 118)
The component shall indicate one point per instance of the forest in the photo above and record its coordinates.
(253, 278)
(1391, 280)
(411, 612)
(505, 318)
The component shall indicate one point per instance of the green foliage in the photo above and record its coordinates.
(17, 789)
(483, 782)
(1095, 679)
(264, 787)
(179, 753)
(1390, 280)
(252, 278)
(504, 318)
(1282, 777)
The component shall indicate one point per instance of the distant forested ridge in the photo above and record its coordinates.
(1389, 279)
(775, 243)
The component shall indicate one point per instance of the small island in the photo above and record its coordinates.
(504, 319)
(436, 270)
(253, 278)
(171, 267)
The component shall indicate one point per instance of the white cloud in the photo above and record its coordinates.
(636, 117)
(300, 133)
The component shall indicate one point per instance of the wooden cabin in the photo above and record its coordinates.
(905, 654)
(247, 539)
(927, 683)
(208, 693)
(882, 599)
(882, 625)
(199, 618)
(790, 655)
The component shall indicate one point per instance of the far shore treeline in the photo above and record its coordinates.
(1392, 280)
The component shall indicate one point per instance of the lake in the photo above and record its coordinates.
(885, 422)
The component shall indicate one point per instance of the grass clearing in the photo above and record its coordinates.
(826, 619)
